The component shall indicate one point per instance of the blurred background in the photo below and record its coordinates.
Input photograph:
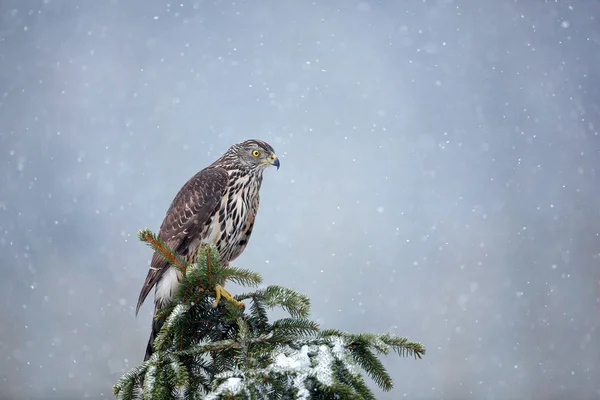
(438, 179)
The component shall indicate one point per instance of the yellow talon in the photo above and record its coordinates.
(220, 291)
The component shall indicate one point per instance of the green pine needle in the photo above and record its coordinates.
(204, 348)
(295, 327)
(148, 237)
(296, 304)
(363, 355)
(241, 276)
(176, 317)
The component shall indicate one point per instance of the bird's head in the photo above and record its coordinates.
(255, 154)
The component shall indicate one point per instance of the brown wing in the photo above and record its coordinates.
(184, 221)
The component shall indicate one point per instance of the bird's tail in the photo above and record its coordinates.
(156, 325)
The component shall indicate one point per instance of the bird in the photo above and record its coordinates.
(217, 206)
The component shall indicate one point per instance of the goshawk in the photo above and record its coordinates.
(217, 206)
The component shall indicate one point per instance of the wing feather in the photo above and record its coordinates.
(185, 219)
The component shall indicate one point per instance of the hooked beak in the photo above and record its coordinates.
(275, 161)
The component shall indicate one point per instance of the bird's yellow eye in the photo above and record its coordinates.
(256, 153)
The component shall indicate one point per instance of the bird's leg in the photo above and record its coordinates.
(221, 292)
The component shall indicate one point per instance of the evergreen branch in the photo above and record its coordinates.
(148, 384)
(336, 390)
(373, 341)
(181, 375)
(243, 330)
(229, 352)
(295, 326)
(274, 342)
(403, 347)
(208, 347)
(362, 354)
(175, 318)
(296, 304)
(264, 338)
(124, 385)
(358, 383)
(243, 334)
(398, 344)
(325, 333)
(206, 255)
(258, 312)
(243, 277)
(164, 378)
(342, 374)
(125, 390)
(147, 236)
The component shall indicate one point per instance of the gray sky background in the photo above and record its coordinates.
(438, 179)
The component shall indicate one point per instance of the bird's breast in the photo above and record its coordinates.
(232, 222)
